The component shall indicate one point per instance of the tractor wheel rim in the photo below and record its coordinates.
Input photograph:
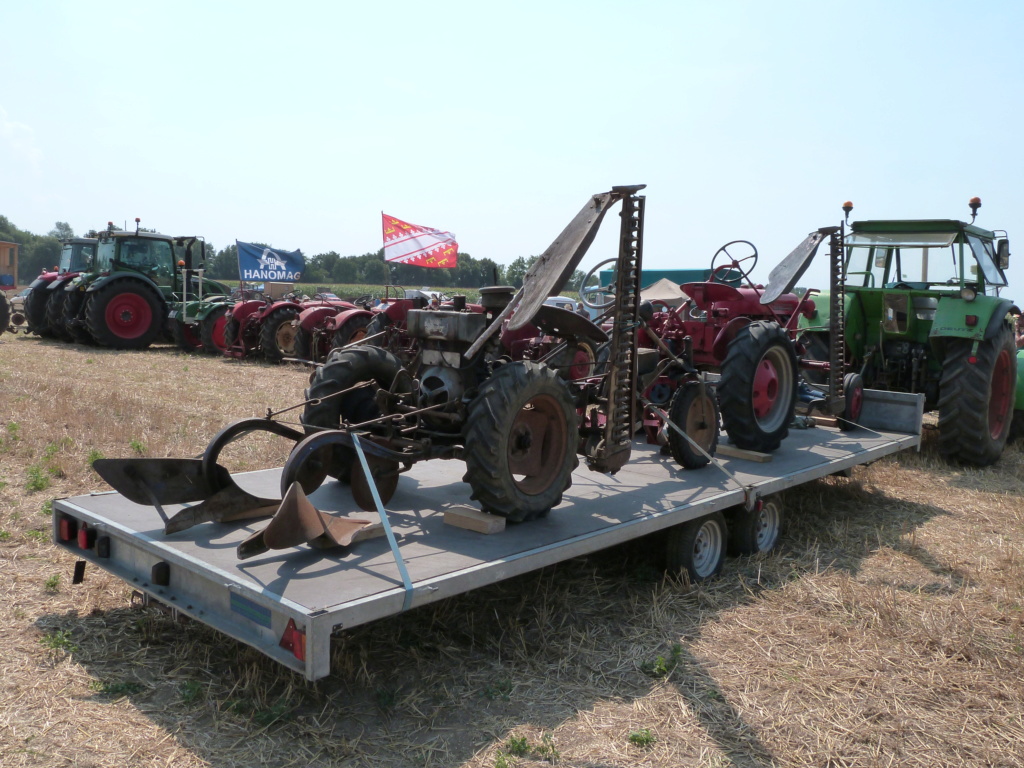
(128, 315)
(699, 424)
(707, 545)
(582, 363)
(218, 332)
(285, 338)
(771, 390)
(1001, 398)
(537, 443)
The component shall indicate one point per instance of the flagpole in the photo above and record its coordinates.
(387, 267)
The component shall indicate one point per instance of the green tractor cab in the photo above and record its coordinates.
(923, 314)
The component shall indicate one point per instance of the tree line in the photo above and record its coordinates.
(37, 253)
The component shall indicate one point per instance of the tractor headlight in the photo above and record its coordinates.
(968, 294)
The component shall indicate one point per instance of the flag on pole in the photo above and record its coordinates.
(420, 246)
(257, 262)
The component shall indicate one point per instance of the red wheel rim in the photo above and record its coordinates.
(766, 388)
(1001, 397)
(218, 331)
(188, 333)
(128, 315)
(856, 401)
(582, 363)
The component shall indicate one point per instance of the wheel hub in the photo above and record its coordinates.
(766, 388)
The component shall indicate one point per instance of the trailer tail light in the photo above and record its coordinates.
(86, 537)
(67, 529)
(294, 640)
(971, 320)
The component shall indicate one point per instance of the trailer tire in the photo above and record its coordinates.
(757, 392)
(345, 369)
(756, 530)
(35, 312)
(55, 314)
(351, 330)
(694, 409)
(277, 336)
(520, 437)
(697, 547)
(976, 396)
(125, 314)
(211, 331)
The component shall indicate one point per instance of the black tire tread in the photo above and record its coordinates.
(268, 333)
(95, 311)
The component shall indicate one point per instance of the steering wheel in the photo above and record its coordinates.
(731, 262)
(590, 274)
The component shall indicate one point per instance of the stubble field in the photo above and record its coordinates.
(886, 629)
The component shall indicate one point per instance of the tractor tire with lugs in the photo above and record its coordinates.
(277, 336)
(211, 331)
(520, 436)
(55, 314)
(74, 317)
(125, 314)
(185, 336)
(976, 397)
(351, 330)
(757, 391)
(35, 311)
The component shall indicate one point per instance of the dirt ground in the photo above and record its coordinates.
(886, 629)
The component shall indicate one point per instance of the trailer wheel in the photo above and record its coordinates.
(520, 437)
(343, 370)
(757, 392)
(976, 394)
(55, 314)
(185, 336)
(35, 312)
(697, 547)
(351, 330)
(693, 409)
(755, 531)
(74, 317)
(853, 394)
(125, 314)
(277, 336)
(211, 331)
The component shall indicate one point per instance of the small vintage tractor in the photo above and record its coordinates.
(45, 302)
(124, 301)
(923, 314)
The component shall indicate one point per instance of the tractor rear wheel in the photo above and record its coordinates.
(231, 330)
(35, 311)
(351, 330)
(125, 314)
(55, 314)
(277, 336)
(976, 394)
(5, 312)
(74, 317)
(186, 337)
(520, 437)
(343, 370)
(694, 410)
(757, 392)
(211, 331)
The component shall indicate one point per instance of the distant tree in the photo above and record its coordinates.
(62, 231)
(223, 266)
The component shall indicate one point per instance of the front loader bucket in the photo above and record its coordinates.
(297, 521)
(158, 481)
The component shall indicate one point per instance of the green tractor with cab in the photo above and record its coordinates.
(143, 286)
(923, 314)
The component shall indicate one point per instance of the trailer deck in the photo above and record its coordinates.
(301, 596)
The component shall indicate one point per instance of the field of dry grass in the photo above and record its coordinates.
(887, 629)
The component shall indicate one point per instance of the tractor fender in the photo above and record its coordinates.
(244, 309)
(43, 279)
(726, 335)
(334, 323)
(311, 317)
(60, 281)
(98, 283)
(200, 309)
(951, 315)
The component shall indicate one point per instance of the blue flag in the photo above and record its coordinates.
(266, 264)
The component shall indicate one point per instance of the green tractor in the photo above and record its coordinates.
(923, 314)
(138, 279)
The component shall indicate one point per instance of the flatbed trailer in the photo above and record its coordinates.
(288, 603)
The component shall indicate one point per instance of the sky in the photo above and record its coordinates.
(298, 124)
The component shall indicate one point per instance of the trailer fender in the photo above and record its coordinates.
(726, 335)
(313, 316)
(334, 323)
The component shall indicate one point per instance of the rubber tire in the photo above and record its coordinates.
(853, 394)
(685, 410)
(345, 369)
(304, 345)
(816, 343)
(211, 331)
(488, 432)
(747, 351)
(351, 330)
(100, 301)
(5, 312)
(755, 531)
(55, 314)
(697, 547)
(270, 346)
(186, 339)
(74, 317)
(965, 393)
(35, 312)
(231, 328)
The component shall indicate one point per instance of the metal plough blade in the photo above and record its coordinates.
(156, 481)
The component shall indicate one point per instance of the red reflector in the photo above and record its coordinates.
(972, 360)
(293, 640)
(67, 529)
(86, 537)
(971, 320)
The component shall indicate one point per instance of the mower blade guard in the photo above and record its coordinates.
(226, 505)
(156, 481)
(296, 522)
(783, 278)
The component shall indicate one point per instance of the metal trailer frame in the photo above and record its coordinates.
(288, 603)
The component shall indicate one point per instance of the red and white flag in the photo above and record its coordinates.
(420, 246)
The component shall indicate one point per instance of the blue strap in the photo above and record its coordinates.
(407, 602)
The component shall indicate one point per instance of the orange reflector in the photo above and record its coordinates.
(294, 640)
(971, 320)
